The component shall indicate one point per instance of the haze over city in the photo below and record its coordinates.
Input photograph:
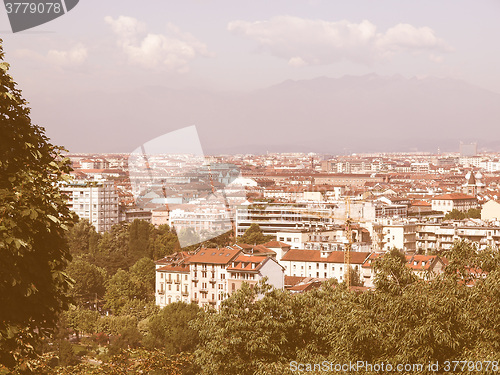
(308, 76)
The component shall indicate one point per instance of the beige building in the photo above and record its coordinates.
(443, 236)
(173, 280)
(395, 234)
(453, 201)
(491, 211)
(320, 264)
(252, 269)
(96, 201)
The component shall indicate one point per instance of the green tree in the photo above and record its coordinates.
(455, 215)
(392, 275)
(83, 238)
(473, 213)
(121, 289)
(90, 282)
(143, 273)
(134, 285)
(170, 329)
(34, 219)
(162, 242)
(81, 320)
(254, 236)
(138, 245)
(112, 250)
(355, 277)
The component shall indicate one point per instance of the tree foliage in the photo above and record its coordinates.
(472, 213)
(126, 286)
(90, 282)
(254, 236)
(404, 320)
(170, 329)
(83, 238)
(33, 221)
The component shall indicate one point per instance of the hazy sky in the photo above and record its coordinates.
(229, 45)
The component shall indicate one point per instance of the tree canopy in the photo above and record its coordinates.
(33, 220)
(254, 236)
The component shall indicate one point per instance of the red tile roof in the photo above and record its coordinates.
(174, 268)
(293, 280)
(453, 196)
(276, 244)
(299, 255)
(214, 256)
(247, 263)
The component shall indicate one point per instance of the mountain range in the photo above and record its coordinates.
(369, 113)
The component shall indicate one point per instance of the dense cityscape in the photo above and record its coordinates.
(417, 203)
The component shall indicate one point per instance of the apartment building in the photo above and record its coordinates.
(332, 239)
(442, 236)
(209, 276)
(320, 264)
(397, 234)
(282, 218)
(453, 201)
(253, 268)
(173, 279)
(96, 201)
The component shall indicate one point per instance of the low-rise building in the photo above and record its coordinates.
(491, 211)
(173, 279)
(453, 201)
(209, 276)
(320, 264)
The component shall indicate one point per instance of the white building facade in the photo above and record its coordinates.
(96, 201)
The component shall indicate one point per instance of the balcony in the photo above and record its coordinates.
(212, 302)
(168, 281)
(204, 290)
(185, 294)
(177, 281)
(213, 280)
(195, 300)
(195, 279)
(161, 292)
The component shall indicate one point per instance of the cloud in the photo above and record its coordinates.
(407, 37)
(74, 56)
(317, 42)
(173, 50)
